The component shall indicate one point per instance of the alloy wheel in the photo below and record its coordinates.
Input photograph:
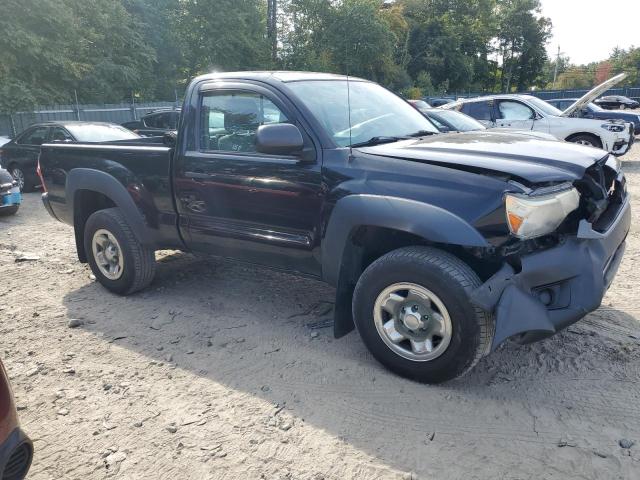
(412, 321)
(107, 254)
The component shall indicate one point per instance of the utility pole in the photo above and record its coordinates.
(555, 70)
(272, 27)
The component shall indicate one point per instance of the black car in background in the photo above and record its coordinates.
(438, 101)
(616, 102)
(20, 155)
(594, 111)
(155, 124)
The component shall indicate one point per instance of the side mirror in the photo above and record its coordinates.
(279, 139)
(169, 139)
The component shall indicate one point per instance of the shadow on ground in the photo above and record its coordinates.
(251, 330)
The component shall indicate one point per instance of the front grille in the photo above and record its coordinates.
(18, 464)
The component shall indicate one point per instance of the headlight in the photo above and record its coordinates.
(613, 127)
(531, 216)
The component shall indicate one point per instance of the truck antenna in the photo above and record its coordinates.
(346, 47)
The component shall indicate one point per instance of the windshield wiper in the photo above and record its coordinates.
(377, 141)
(422, 133)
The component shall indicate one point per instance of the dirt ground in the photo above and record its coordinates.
(223, 371)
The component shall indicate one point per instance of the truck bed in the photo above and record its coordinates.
(139, 171)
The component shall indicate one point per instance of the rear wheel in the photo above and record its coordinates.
(116, 257)
(587, 140)
(413, 312)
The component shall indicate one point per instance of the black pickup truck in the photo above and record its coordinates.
(440, 247)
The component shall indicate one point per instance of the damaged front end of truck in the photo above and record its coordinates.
(552, 279)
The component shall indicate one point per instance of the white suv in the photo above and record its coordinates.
(526, 112)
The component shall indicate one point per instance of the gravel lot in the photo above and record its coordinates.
(224, 371)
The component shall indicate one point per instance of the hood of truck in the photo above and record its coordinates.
(592, 94)
(521, 156)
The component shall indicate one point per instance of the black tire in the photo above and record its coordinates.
(450, 279)
(6, 211)
(16, 172)
(139, 261)
(584, 138)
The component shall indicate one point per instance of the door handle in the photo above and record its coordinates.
(197, 175)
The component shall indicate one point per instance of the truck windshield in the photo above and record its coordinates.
(96, 132)
(375, 111)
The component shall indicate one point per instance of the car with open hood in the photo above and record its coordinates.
(440, 246)
(526, 112)
(16, 449)
(591, 110)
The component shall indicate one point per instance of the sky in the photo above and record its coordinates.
(587, 30)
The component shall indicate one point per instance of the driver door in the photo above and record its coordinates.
(240, 203)
(515, 115)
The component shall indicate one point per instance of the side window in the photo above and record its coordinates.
(36, 136)
(60, 135)
(230, 119)
(510, 110)
(478, 110)
(153, 121)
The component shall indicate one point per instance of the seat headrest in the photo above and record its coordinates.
(241, 113)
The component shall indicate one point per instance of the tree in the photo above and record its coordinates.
(451, 40)
(522, 36)
(221, 35)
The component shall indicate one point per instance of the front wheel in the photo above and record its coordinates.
(587, 140)
(413, 312)
(116, 257)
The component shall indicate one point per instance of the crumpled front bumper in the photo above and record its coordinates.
(555, 287)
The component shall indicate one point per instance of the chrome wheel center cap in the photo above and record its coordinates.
(412, 320)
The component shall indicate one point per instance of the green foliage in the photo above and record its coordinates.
(522, 36)
(220, 35)
(109, 50)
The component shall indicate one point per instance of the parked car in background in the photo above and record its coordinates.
(526, 112)
(419, 104)
(10, 196)
(452, 120)
(591, 110)
(20, 155)
(438, 101)
(616, 102)
(440, 246)
(156, 123)
(16, 449)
